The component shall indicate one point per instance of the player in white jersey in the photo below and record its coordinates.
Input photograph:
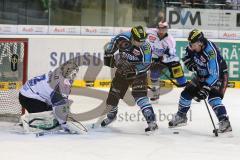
(46, 96)
(164, 56)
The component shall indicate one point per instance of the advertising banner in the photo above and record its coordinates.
(32, 29)
(230, 52)
(8, 29)
(47, 53)
(69, 30)
(211, 19)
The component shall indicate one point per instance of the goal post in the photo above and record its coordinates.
(13, 74)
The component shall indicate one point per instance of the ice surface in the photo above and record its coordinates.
(125, 138)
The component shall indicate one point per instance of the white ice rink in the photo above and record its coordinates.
(125, 138)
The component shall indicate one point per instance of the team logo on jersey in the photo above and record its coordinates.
(212, 55)
(152, 38)
(199, 61)
(132, 57)
(136, 52)
(203, 59)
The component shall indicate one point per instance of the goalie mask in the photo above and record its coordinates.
(69, 69)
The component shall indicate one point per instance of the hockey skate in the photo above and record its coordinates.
(111, 116)
(224, 126)
(156, 93)
(177, 121)
(152, 126)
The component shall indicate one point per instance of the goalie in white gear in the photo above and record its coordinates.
(45, 97)
(164, 56)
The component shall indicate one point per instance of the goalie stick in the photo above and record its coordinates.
(58, 132)
(80, 126)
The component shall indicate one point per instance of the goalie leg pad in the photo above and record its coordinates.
(35, 122)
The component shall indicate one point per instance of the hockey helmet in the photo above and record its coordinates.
(139, 34)
(195, 36)
(69, 69)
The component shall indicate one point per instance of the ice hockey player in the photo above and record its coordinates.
(164, 56)
(210, 80)
(45, 98)
(132, 62)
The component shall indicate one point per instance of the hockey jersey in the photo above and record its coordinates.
(50, 88)
(139, 56)
(165, 47)
(209, 64)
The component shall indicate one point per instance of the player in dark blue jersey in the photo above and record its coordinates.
(210, 80)
(132, 61)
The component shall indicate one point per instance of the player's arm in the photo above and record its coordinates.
(188, 60)
(60, 104)
(169, 53)
(147, 59)
(213, 68)
(111, 47)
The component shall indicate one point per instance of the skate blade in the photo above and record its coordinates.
(150, 133)
(228, 130)
(228, 134)
(179, 125)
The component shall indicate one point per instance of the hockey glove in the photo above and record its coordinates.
(189, 63)
(126, 69)
(202, 94)
(109, 59)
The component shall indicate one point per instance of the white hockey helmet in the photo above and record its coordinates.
(69, 69)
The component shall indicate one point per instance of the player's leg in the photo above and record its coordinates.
(33, 105)
(180, 118)
(39, 117)
(117, 91)
(215, 100)
(154, 76)
(139, 92)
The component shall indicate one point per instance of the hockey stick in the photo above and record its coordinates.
(81, 129)
(58, 132)
(215, 131)
(170, 79)
(80, 126)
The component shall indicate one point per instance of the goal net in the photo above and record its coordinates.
(13, 66)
